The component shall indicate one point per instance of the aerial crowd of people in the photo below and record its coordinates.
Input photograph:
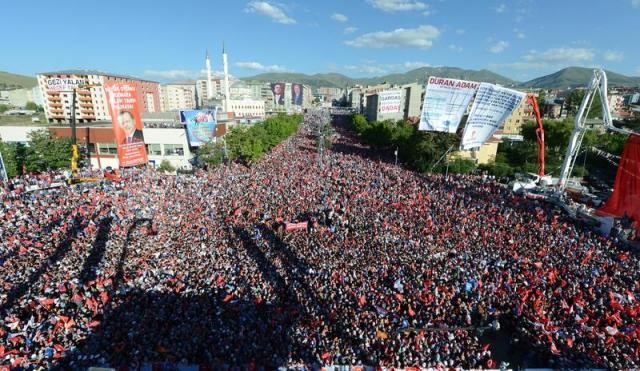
(392, 269)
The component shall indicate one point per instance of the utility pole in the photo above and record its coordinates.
(396, 154)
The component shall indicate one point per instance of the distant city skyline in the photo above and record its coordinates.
(165, 41)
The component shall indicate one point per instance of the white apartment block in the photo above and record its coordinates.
(178, 96)
(247, 108)
(91, 102)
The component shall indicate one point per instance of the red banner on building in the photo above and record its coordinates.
(127, 125)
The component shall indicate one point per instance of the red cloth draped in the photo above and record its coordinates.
(625, 198)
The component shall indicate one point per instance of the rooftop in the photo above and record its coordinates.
(92, 72)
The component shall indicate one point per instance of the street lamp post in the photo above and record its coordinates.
(75, 156)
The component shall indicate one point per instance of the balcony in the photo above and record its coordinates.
(85, 105)
(85, 98)
(55, 105)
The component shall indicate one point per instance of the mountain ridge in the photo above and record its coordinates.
(566, 78)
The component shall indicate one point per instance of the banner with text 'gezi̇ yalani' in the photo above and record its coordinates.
(122, 98)
(445, 102)
(492, 106)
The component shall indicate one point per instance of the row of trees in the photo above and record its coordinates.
(31, 106)
(420, 150)
(424, 151)
(249, 143)
(41, 153)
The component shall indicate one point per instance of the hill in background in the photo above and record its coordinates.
(572, 77)
(419, 75)
(569, 77)
(10, 81)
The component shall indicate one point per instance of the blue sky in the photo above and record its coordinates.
(166, 40)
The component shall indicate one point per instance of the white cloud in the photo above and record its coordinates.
(367, 69)
(426, 13)
(455, 48)
(560, 55)
(551, 58)
(414, 65)
(259, 67)
(350, 30)
(421, 37)
(173, 74)
(499, 47)
(501, 8)
(460, 31)
(397, 5)
(635, 4)
(519, 33)
(271, 11)
(521, 65)
(613, 56)
(339, 17)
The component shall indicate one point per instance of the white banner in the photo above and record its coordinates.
(445, 101)
(389, 101)
(66, 84)
(492, 106)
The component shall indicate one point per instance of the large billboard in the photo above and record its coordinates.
(297, 94)
(200, 125)
(64, 84)
(389, 101)
(124, 108)
(492, 106)
(277, 88)
(445, 102)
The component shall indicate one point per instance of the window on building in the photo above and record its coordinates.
(107, 148)
(91, 148)
(154, 149)
(173, 150)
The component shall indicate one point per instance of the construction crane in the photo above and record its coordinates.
(531, 99)
(598, 85)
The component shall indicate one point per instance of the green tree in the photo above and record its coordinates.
(9, 156)
(360, 123)
(4, 108)
(461, 166)
(211, 153)
(575, 98)
(47, 152)
(165, 166)
(31, 106)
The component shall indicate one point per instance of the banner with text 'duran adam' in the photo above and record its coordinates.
(445, 102)
(492, 106)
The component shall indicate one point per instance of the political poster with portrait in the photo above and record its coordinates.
(200, 125)
(445, 102)
(492, 106)
(389, 101)
(297, 94)
(277, 88)
(122, 98)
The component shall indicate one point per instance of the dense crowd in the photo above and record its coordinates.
(395, 269)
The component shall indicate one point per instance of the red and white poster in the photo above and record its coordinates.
(127, 125)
